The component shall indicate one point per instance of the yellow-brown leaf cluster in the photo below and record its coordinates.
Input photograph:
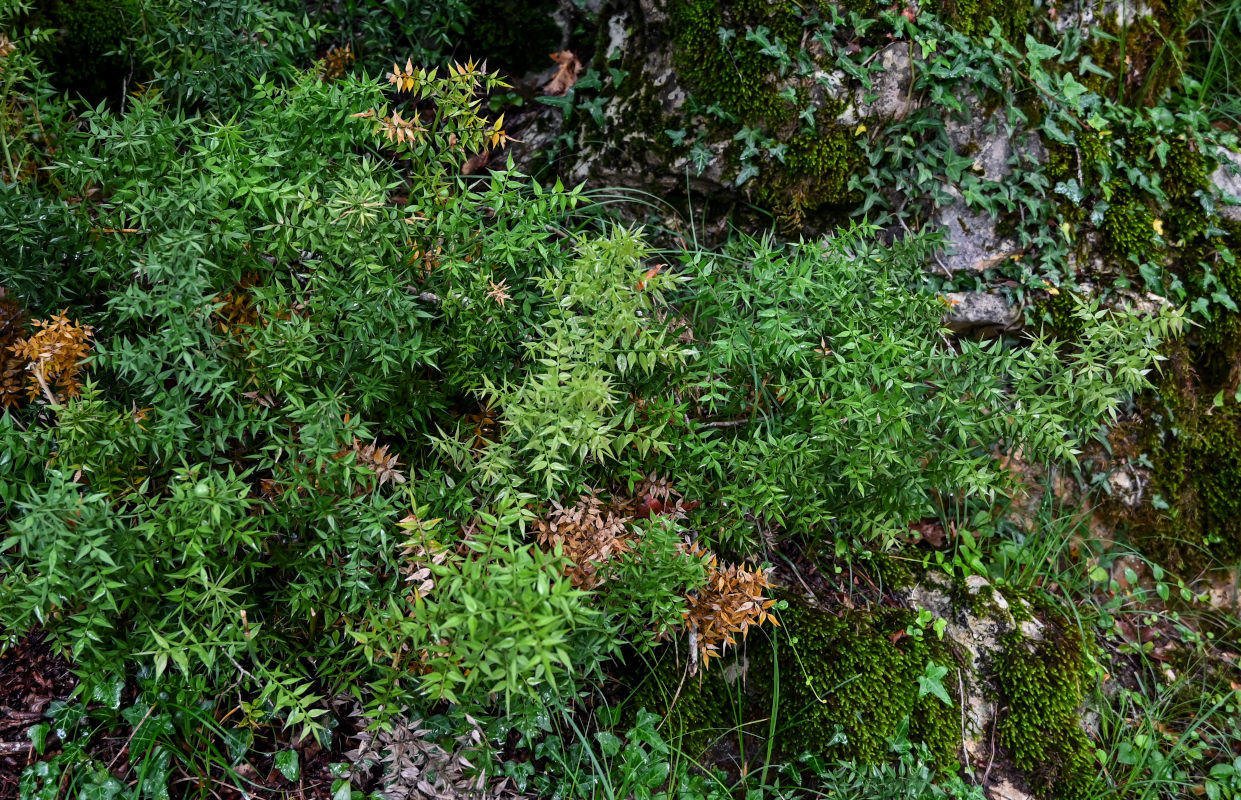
(591, 531)
(236, 311)
(733, 600)
(12, 368)
(403, 79)
(588, 533)
(418, 557)
(6, 48)
(53, 357)
(457, 123)
(335, 62)
(398, 129)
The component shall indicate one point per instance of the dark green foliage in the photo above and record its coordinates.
(272, 487)
(869, 683)
(909, 774)
(381, 32)
(738, 61)
(89, 52)
(514, 36)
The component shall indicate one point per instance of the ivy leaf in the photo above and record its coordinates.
(286, 762)
(747, 172)
(1072, 90)
(1071, 190)
(609, 743)
(1086, 64)
(931, 681)
(1055, 133)
(1037, 51)
(38, 736)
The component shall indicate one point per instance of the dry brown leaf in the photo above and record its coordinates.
(476, 163)
(566, 75)
(378, 460)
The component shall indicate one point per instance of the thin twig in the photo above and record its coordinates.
(995, 723)
(38, 376)
(130, 740)
(725, 423)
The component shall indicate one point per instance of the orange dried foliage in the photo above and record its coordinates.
(336, 62)
(405, 80)
(427, 259)
(591, 531)
(568, 70)
(54, 356)
(237, 311)
(588, 533)
(12, 327)
(732, 601)
(485, 428)
(398, 129)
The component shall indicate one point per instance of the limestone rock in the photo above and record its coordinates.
(1227, 178)
(974, 242)
(977, 635)
(981, 312)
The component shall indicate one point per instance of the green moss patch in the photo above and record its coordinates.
(1041, 685)
(730, 70)
(974, 17)
(820, 674)
(724, 56)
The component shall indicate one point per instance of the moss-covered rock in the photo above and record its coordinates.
(734, 103)
(1041, 684)
(731, 70)
(819, 676)
(1196, 516)
(974, 16)
(839, 684)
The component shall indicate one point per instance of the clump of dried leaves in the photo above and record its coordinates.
(236, 311)
(12, 368)
(385, 465)
(336, 62)
(591, 532)
(415, 767)
(733, 600)
(52, 356)
(588, 533)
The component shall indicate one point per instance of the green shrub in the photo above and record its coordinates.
(296, 312)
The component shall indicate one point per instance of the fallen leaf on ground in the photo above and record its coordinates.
(566, 76)
(475, 163)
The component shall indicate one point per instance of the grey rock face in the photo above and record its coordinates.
(973, 242)
(981, 312)
(1227, 178)
(978, 637)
